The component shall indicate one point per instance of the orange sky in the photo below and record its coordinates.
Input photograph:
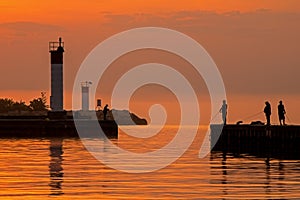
(255, 44)
(79, 11)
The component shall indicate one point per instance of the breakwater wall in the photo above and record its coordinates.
(30, 128)
(276, 141)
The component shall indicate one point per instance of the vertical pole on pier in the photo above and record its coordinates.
(56, 50)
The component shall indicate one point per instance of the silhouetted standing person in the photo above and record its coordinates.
(267, 112)
(105, 110)
(281, 113)
(223, 110)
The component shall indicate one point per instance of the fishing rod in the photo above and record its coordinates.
(212, 119)
(288, 118)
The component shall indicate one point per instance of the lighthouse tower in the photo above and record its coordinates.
(85, 95)
(56, 50)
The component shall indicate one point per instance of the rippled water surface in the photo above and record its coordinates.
(63, 169)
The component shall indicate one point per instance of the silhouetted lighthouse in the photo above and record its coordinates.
(56, 50)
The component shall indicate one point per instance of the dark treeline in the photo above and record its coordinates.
(38, 104)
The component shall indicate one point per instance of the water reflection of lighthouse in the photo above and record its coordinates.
(55, 166)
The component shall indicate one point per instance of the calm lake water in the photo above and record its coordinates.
(63, 169)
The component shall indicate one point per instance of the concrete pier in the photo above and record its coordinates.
(35, 128)
(274, 141)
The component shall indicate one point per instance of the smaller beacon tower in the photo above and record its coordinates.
(98, 107)
(85, 87)
(56, 50)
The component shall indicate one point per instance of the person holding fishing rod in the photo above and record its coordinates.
(267, 111)
(281, 113)
(223, 110)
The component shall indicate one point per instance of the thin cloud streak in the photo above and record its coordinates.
(28, 26)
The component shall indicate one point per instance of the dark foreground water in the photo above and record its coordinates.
(63, 169)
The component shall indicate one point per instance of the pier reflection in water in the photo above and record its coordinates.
(43, 168)
(254, 176)
(55, 166)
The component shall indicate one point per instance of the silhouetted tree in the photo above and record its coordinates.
(39, 104)
(44, 98)
(6, 105)
(20, 106)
